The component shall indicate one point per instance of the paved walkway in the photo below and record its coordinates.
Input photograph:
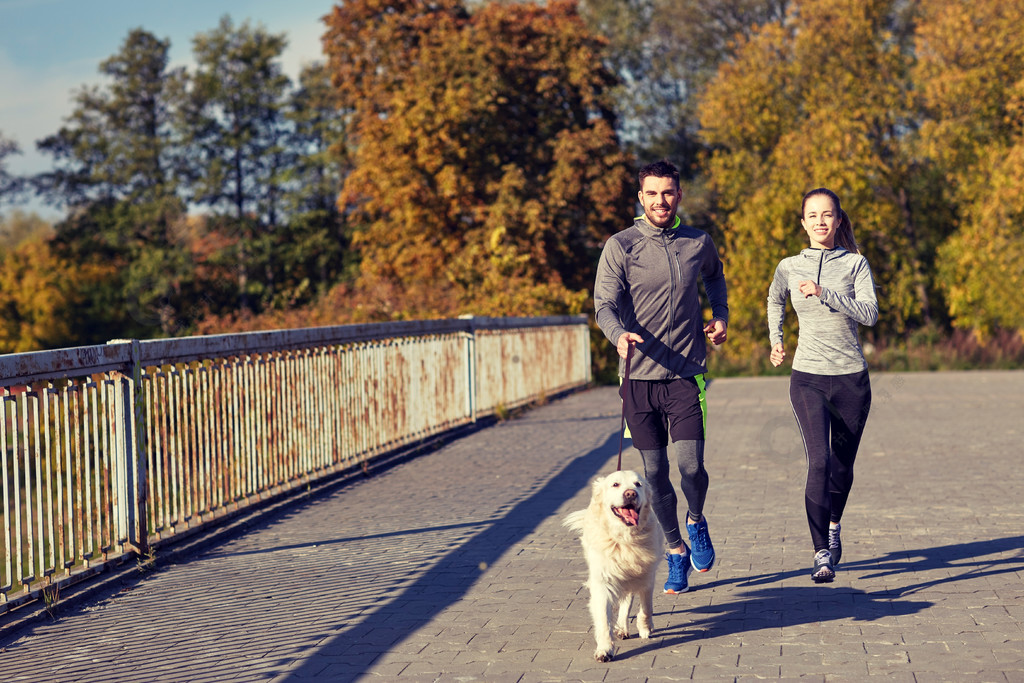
(455, 566)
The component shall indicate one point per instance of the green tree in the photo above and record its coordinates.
(665, 52)
(116, 167)
(10, 185)
(233, 129)
(487, 171)
(117, 144)
(971, 56)
(822, 98)
(311, 253)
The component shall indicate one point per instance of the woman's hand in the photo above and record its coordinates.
(778, 355)
(809, 288)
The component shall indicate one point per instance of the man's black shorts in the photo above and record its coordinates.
(656, 410)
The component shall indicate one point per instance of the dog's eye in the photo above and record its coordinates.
(616, 485)
(638, 485)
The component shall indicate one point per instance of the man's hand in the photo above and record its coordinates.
(778, 355)
(716, 331)
(624, 341)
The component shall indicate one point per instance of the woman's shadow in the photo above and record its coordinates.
(958, 562)
(771, 605)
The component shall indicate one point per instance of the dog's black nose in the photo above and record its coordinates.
(629, 495)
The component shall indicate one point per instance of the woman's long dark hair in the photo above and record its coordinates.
(844, 233)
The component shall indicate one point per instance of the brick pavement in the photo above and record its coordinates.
(454, 566)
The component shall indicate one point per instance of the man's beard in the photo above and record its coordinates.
(666, 223)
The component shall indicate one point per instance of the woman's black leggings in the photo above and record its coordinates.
(831, 411)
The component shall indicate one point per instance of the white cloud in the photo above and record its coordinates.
(36, 101)
(34, 106)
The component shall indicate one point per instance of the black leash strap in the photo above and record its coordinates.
(622, 424)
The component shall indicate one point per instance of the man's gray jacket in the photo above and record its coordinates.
(647, 283)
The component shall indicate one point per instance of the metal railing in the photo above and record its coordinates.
(112, 449)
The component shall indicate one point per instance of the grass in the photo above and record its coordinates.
(928, 350)
(51, 596)
(146, 563)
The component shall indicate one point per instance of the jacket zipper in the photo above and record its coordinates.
(673, 271)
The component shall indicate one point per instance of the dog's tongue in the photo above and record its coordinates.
(629, 516)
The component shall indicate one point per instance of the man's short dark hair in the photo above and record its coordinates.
(659, 169)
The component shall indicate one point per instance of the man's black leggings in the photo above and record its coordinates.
(831, 411)
(689, 457)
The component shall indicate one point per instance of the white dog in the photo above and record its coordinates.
(622, 542)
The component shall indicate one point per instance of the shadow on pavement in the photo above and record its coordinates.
(959, 562)
(781, 606)
(776, 607)
(962, 561)
(448, 579)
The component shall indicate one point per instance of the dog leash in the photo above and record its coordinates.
(622, 424)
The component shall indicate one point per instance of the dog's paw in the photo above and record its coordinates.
(622, 634)
(603, 655)
(645, 634)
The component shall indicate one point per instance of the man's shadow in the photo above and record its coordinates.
(779, 607)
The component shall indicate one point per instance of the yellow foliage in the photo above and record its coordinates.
(816, 100)
(37, 296)
(970, 67)
(982, 265)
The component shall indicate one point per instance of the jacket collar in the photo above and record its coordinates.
(649, 230)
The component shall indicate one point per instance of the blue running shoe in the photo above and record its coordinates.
(702, 553)
(678, 570)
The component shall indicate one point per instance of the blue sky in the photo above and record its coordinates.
(49, 49)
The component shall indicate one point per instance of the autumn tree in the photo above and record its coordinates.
(970, 61)
(664, 53)
(43, 297)
(822, 98)
(18, 227)
(486, 168)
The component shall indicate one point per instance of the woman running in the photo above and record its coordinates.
(832, 292)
